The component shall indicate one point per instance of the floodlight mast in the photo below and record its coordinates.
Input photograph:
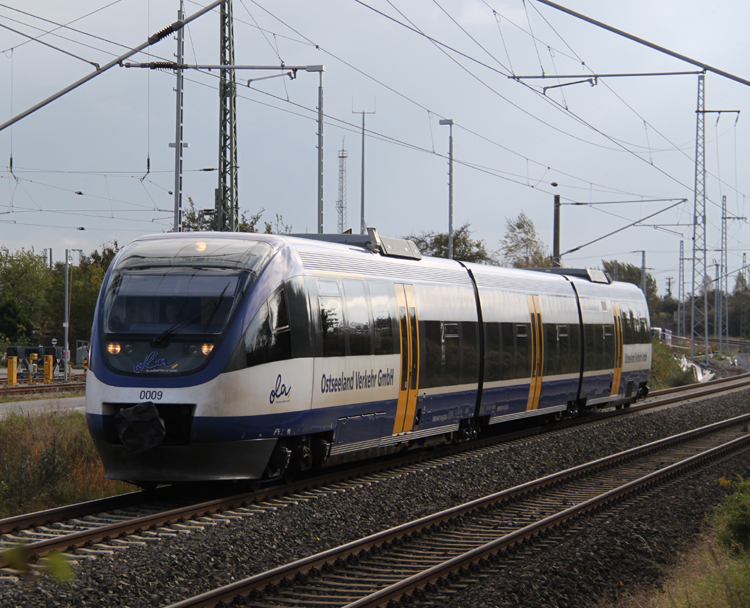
(449, 122)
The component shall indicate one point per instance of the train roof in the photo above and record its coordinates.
(374, 255)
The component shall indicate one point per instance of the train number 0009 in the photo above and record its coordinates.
(151, 395)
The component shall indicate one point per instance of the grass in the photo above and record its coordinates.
(707, 577)
(665, 370)
(716, 574)
(48, 460)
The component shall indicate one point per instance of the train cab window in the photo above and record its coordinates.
(268, 337)
(358, 317)
(331, 318)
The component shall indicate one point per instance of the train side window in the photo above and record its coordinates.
(331, 318)
(431, 353)
(589, 345)
(551, 346)
(383, 302)
(608, 356)
(451, 355)
(358, 317)
(574, 360)
(268, 337)
(508, 351)
(492, 360)
(299, 317)
(523, 355)
(645, 332)
(469, 353)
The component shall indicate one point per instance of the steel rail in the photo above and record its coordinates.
(475, 556)
(217, 505)
(284, 574)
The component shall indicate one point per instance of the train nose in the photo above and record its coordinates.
(140, 428)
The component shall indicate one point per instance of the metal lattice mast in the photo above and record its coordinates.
(226, 215)
(681, 293)
(743, 287)
(717, 301)
(178, 145)
(699, 308)
(341, 202)
(724, 279)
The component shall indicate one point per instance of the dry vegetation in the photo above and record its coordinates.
(716, 574)
(47, 460)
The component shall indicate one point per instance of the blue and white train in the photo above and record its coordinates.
(228, 356)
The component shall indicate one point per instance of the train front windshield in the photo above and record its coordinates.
(164, 315)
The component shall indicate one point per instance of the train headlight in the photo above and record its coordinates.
(113, 348)
(207, 348)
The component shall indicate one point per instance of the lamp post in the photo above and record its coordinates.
(449, 122)
(66, 321)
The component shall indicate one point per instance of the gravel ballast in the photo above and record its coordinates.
(606, 558)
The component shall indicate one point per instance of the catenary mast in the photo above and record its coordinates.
(226, 213)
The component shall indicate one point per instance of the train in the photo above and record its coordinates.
(238, 356)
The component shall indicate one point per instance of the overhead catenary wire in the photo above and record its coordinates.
(152, 40)
(544, 168)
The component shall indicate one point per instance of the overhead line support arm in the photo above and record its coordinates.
(177, 25)
(651, 45)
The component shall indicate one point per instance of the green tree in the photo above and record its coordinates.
(196, 220)
(103, 259)
(740, 283)
(521, 246)
(630, 273)
(465, 249)
(24, 276)
(15, 326)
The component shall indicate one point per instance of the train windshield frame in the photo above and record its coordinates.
(167, 306)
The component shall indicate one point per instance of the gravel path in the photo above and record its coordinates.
(605, 559)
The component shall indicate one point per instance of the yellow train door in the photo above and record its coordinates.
(618, 349)
(409, 337)
(537, 352)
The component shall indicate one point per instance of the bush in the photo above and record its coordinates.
(732, 516)
(49, 460)
(666, 371)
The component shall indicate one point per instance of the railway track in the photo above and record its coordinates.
(140, 516)
(419, 558)
(38, 388)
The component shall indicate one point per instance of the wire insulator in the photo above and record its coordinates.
(165, 32)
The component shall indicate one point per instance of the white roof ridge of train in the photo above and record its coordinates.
(386, 246)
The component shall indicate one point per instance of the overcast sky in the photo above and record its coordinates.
(81, 162)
